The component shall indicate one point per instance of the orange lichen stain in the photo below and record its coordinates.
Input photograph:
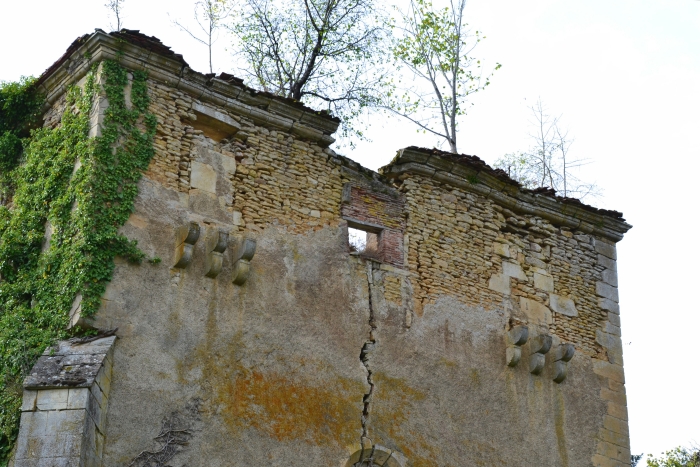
(391, 408)
(287, 406)
(290, 409)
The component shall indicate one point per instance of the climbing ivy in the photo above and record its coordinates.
(81, 190)
(20, 106)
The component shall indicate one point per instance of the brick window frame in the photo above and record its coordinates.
(379, 212)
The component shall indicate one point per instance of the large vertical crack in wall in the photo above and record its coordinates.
(365, 353)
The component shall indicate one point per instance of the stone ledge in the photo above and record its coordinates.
(70, 365)
(263, 108)
(507, 194)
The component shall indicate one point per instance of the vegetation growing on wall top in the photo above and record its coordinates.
(59, 235)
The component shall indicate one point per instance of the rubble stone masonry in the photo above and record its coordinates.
(272, 343)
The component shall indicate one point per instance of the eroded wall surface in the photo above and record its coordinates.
(270, 371)
(323, 348)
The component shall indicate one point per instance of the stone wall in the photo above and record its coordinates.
(315, 355)
(464, 245)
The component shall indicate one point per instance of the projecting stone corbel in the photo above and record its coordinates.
(187, 237)
(241, 260)
(539, 346)
(517, 337)
(216, 245)
(562, 355)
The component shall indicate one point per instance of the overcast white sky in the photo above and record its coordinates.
(625, 74)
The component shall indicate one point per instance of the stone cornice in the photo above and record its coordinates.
(485, 181)
(262, 108)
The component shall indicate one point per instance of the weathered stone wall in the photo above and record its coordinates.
(318, 350)
(466, 246)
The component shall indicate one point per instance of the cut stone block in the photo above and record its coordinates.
(29, 400)
(562, 305)
(614, 319)
(52, 399)
(213, 123)
(68, 366)
(500, 283)
(104, 381)
(606, 249)
(237, 218)
(501, 249)
(229, 164)
(616, 425)
(616, 397)
(609, 341)
(544, 282)
(66, 426)
(609, 305)
(607, 291)
(607, 262)
(618, 411)
(609, 370)
(203, 177)
(610, 277)
(535, 311)
(78, 398)
(612, 329)
(513, 270)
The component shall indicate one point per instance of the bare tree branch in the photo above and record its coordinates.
(321, 52)
(209, 15)
(115, 7)
(435, 46)
(547, 162)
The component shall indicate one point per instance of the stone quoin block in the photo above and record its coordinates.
(513, 270)
(544, 282)
(562, 305)
(536, 312)
(607, 291)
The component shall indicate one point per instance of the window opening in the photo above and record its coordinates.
(363, 243)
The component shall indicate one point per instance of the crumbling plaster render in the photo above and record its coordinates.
(320, 354)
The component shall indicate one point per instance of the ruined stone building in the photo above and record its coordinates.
(478, 326)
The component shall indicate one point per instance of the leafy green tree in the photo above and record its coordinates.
(321, 52)
(678, 457)
(435, 46)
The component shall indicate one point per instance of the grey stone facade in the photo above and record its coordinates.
(482, 330)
